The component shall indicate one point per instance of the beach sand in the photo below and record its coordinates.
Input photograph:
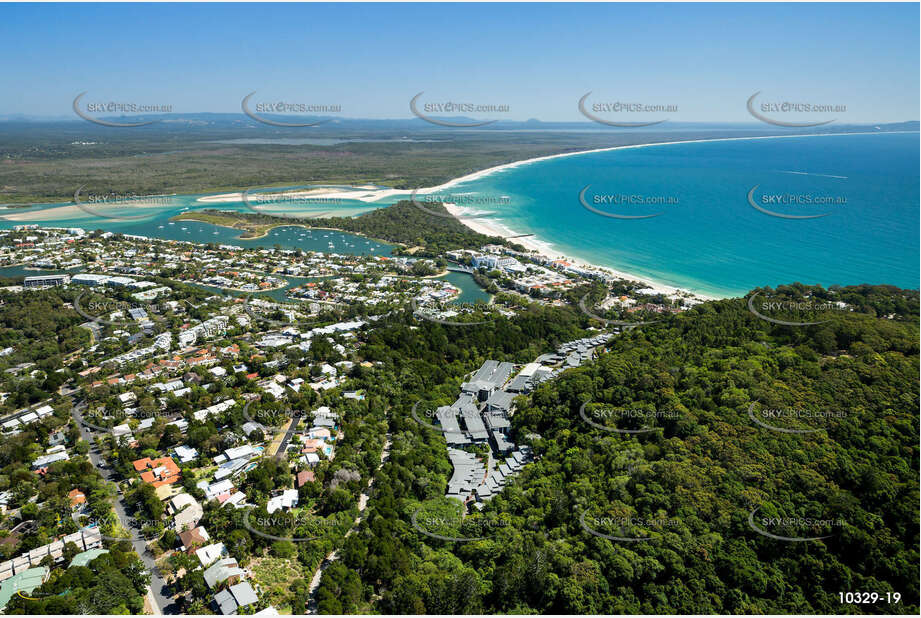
(490, 227)
(361, 194)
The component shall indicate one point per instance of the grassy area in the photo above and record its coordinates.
(275, 576)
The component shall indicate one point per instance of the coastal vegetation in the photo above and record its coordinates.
(47, 162)
(113, 583)
(204, 153)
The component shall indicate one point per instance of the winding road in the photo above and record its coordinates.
(334, 555)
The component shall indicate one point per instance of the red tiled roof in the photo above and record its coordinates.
(76, 497)
(146, 467)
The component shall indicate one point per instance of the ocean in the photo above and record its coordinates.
(717, 214)
(707, 236)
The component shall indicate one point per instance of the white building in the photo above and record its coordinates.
(286, 500)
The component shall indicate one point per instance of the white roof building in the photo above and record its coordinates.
(185, 453)
(210, 553)
(286, 500)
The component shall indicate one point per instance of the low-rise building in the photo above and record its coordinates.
(239, 595)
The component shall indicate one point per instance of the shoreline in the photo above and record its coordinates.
(544, 247)
(361, 194)
(498, 168)
(533, 242)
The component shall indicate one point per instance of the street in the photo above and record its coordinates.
(157, 593)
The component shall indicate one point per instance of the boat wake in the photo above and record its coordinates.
(811, 174)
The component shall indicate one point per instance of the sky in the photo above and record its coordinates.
(705, 60)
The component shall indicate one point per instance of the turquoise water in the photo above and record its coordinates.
(156, 224)
(712, 240)
(708, 237)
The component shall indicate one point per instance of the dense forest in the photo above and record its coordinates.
(686, 490)
(42, 329)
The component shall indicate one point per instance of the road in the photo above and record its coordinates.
(157, 592)
(334, 555)
(292, 429)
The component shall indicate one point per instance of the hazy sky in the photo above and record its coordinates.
(538, 59)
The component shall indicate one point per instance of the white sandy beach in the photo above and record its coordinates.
(73, 212)
(368, 193)
(505, 166)
(491, 227)
(361, 194)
